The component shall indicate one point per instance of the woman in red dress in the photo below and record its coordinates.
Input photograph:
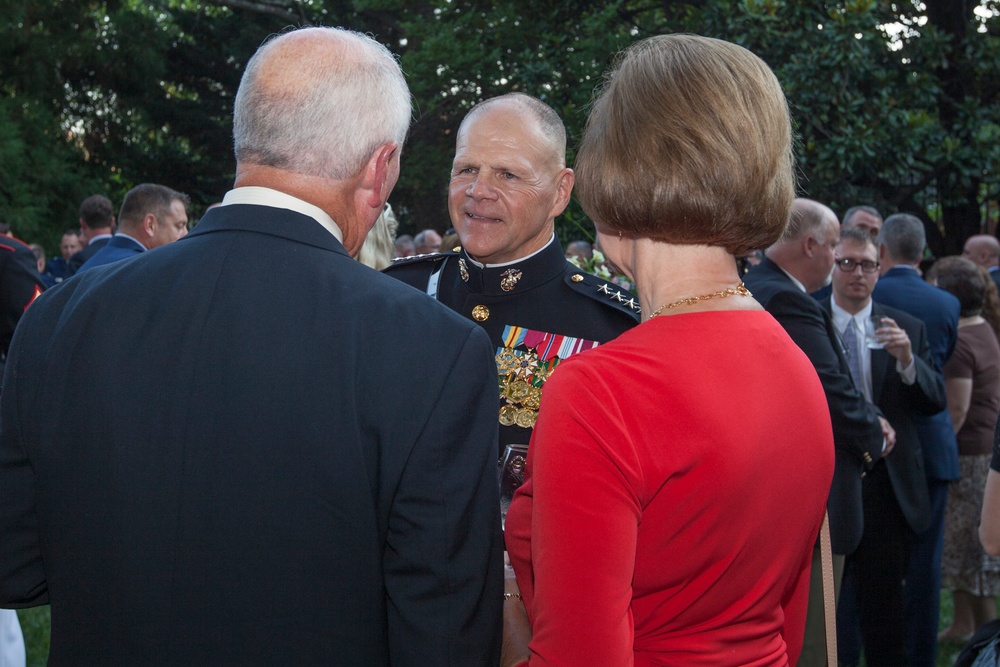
(678, 475)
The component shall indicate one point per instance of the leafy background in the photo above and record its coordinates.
(895, 103)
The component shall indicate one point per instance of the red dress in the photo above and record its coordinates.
(676, 483)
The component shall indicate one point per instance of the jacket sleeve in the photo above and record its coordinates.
(22, 577)
(444, 555)
(856, 428)
(926, 395)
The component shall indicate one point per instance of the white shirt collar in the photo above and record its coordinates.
(131, 238)
(841, 317)
(259, 196)
(516, 261)
(795, 281)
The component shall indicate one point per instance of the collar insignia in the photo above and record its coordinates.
(509, 279)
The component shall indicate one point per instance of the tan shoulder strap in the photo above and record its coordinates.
(829, 598)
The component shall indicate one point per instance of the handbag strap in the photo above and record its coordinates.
(829, 598)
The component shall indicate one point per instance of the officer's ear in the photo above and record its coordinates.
(564, 190)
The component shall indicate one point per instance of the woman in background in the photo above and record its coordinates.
(972, 386)
(677, 476)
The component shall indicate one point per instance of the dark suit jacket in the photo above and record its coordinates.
(77, 259)
(899, 402)
(904, 289)
(119, 247)
(247, 448)
(857, 434)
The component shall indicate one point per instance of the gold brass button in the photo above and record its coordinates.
(577, 278)
(480, 313)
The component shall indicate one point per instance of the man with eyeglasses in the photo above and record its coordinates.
(890, 361)
(901, 247)
(797, 265)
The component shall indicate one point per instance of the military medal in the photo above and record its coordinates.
(526, 360)
(509, 279)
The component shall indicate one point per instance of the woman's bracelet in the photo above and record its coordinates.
(511, 596)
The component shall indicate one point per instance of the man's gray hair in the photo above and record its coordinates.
(806, 218)
(903, 236)
(870, 210)
(331, 127)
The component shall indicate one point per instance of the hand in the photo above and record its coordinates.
(516, 628)
(889, 433)
(897, 343)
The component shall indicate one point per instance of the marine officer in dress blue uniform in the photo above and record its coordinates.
(509, 181)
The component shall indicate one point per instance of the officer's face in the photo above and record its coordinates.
(507, 185)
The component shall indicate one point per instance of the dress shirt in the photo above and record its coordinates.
(260, 196)
(91, 240)
(131, 238)
(843, 319)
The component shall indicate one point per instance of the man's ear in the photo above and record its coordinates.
(380, 176)
(149, 225)
(564, 190)
(809, 245)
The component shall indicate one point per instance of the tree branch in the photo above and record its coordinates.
(261, 8)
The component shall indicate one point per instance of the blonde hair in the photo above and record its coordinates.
(689, 142)
(379, 247)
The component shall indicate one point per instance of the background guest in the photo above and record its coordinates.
(404, 246)
(151, 216)
(581, 250)
(97, 221)
(57, 268)
(377, 250)
(989, 522)
(642, 518)
(984, 250)
(972, 383)
(902, 241)
(427, 242)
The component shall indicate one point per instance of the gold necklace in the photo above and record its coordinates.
(691, 300)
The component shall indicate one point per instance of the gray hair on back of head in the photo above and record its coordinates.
(356, 102)
(904, 237)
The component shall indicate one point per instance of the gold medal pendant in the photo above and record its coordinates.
(508, 415)
(525, 418)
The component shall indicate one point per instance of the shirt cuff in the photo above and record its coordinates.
(908, 374)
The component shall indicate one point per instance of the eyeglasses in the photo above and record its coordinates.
(848, 265)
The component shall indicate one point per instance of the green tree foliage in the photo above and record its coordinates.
(894, 104)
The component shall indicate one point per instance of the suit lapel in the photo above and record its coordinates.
(880, 362)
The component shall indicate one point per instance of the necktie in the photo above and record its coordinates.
(853, 344)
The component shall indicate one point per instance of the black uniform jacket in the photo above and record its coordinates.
(544, 294)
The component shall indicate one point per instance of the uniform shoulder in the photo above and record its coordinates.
(604, 292)
(429, 260)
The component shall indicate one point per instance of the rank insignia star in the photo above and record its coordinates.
(604, 289)
(463, 270)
